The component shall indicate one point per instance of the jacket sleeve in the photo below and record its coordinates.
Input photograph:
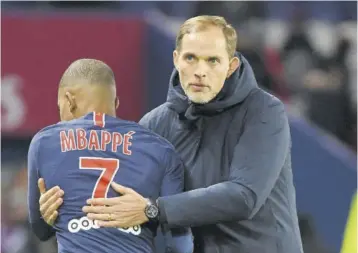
(149, 120)
(145, 121)
(156, 120)
(41, 229)
(257, 162)
(178, 240)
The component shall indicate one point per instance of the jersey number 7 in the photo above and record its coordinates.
(109, 169)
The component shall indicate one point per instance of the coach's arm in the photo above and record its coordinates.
(258, 159)
(257, 162)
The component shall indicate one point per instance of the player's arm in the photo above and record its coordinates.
(257, 162)
(179, 240)
(42, 230)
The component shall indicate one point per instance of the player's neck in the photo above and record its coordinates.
(100, 110)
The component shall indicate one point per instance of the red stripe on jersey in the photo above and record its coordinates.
(98, 119)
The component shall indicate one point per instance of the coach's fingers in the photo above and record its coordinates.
(121, 189)
(103, 201)
(52, 192)
(52, 218)
(52, 209)
(41, 185)
(97, 209)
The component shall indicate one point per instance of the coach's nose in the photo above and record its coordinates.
(200, 75)
(201, 70)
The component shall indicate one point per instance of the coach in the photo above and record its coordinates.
(234, 139)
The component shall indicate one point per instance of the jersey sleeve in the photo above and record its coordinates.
(179, 240)
(42, 230)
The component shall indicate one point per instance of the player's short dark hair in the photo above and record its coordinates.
(89, 71)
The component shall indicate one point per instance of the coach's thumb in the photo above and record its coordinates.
(41, 185)
(119, 188)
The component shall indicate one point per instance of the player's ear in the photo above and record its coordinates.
(175, 58)
(71, 101)
(234, 64)
(117, 103)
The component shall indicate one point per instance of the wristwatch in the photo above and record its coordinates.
(152, 210)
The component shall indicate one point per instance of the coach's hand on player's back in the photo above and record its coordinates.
(49, 201)
(120, 212)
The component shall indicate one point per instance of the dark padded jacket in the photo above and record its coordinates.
(240, 196)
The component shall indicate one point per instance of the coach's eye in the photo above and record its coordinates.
(189, 57)
(213, 60)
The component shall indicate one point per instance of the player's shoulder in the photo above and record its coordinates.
(50, 131)
(44, 132)
(42, 135)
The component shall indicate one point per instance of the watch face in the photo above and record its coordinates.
(152, 211)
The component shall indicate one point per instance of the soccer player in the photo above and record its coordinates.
(88, 150)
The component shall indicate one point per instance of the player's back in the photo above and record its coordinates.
(83, 157)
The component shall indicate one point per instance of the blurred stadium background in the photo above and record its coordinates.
(304, 52)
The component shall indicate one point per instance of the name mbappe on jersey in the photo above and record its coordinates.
(77, 139)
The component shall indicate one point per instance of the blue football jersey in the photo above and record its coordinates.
(83, 157)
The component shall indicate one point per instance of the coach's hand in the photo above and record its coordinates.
(120, 212)
(49, 201)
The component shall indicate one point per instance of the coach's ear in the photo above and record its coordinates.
(71, 101)
(175, 59)
(234, 64)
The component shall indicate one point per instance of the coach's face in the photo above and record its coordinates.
(204, 64)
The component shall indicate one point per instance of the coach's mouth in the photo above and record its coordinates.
(198, 85)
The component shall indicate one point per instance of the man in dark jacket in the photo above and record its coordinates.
(234, 139)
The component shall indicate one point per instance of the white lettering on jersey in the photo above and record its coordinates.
(75, 225)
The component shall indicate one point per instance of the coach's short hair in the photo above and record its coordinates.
(89, 71)
(200, 23)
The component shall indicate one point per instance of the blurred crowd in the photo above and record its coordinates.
(310, 64)
(305, 53)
